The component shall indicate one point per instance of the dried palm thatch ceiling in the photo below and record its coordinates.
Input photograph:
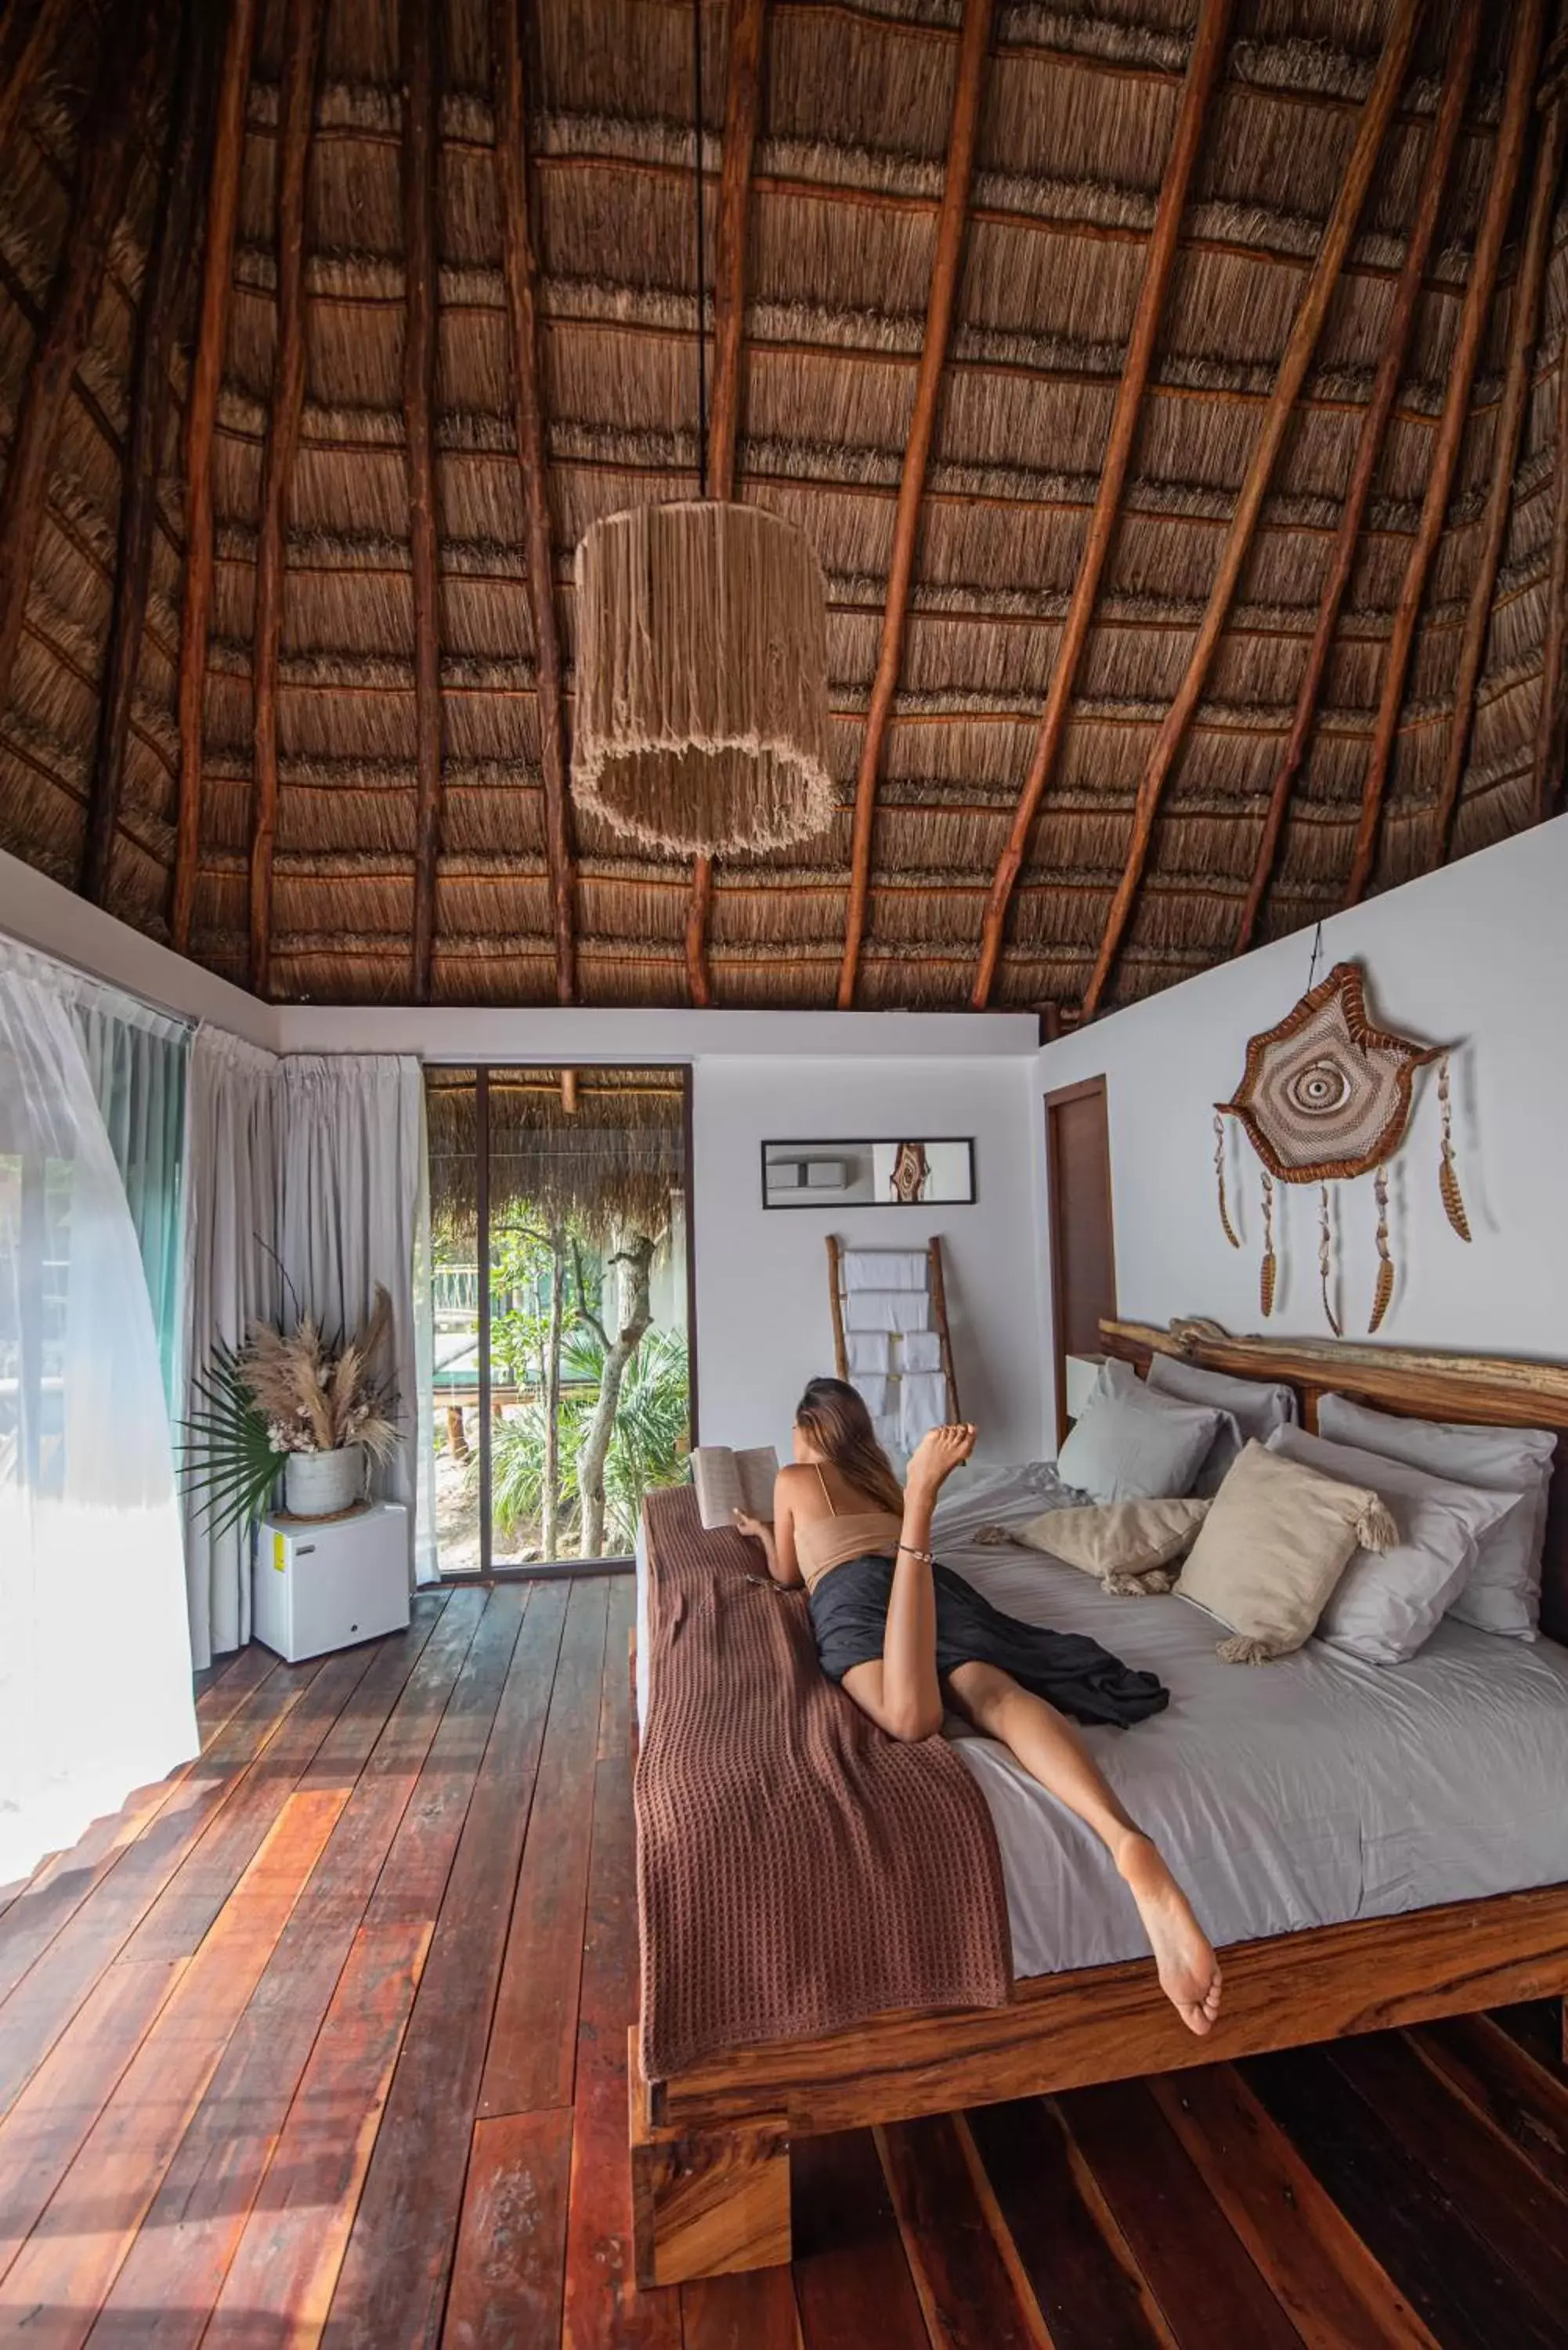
(1168, 387)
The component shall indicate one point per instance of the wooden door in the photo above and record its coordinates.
(1083, 1246)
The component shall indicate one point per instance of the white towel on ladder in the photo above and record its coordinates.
(922, 1351)
(886, 1309)
(868, 1350)
(884, 1269)
(922, 1406)
(873, 1393)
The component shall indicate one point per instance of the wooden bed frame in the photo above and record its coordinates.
(710, 2146)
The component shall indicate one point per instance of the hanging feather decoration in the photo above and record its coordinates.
(1382, 1296)
(1219, 1180)
(1269, 1271)
(1325, 1257)
(1448, 1173)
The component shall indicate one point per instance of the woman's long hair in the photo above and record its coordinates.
(834, 1421)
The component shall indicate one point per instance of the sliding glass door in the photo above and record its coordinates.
(562, 1379)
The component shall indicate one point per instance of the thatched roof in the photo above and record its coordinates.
(1169, 390)
(601, 1149)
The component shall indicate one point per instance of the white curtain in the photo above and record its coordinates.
(231, 1277)
(352, 1198)
(95, 1661)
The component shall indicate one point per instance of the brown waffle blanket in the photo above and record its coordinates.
(796, 1869)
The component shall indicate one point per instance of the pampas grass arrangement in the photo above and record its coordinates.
(282, 1393)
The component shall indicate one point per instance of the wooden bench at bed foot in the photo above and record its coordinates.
(706, 2203)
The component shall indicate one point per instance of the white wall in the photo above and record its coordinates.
(43, 914)
(1476, 956)
(764, 1326)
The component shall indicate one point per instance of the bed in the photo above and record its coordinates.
(1366, 1844)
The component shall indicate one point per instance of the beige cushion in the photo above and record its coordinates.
(1277, 1539)
(1122, 1541)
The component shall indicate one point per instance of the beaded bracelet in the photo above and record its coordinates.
(924, 1555)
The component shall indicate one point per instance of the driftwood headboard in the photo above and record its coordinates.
(1490, 1390)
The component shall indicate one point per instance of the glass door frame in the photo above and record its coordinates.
(544, 1569)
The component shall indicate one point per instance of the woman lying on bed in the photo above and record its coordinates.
(906, 1636)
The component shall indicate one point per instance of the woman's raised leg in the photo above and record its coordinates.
(1052, 1752)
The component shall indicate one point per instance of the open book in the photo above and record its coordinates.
(727, 1481)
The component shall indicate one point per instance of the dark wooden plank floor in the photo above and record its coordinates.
(324, 2041)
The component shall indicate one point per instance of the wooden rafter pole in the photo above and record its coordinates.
(1507, 158)
(162, 306)
(1368, 451)
(302, 43)
(743, 101)
(974, 38)
(1551, 721)
(1524, 318)
(200, 423)
(520, 269)
(1203, 71)
(28, 37)
(419, 169)
(1381, 101)
(107, 156)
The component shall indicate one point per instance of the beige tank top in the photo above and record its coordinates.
(823, 1544)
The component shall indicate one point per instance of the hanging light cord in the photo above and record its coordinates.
(1316, 956)
(701, 305)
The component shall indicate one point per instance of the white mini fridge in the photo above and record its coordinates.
(328, 1583)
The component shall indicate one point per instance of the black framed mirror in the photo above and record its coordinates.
(935, 1173)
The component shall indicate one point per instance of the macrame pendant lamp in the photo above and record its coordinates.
(702, 712)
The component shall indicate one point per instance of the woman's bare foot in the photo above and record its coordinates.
(1188, 1970)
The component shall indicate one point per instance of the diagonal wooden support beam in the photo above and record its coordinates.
(1202, 72)
(163, 305)
(1507, 158)
(201, 422)
(1369, 450)
(302, 45)
(1373, 124)
(1523, 325)
(742, 104)
(974, 40)
(419, 169)
(520, 270)
(28, 37)
(1551, 721)
(107, 156)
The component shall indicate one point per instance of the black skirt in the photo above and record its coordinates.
(1073, 1673)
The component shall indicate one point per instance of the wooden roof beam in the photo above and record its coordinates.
(201, 422)
(1550, 754)
(106, 158)
(520, 268)
(418, 42)
(1202, 72)
(302, 44)
(163, 307)
(742, 106)
(1523, 325)
(1507, 158)
(1369, 450)
(973, 41)
(1373, 124)
(27, 38)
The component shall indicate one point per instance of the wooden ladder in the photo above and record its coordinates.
(935, 1289)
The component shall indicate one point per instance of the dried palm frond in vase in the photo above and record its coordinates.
(282, 1393)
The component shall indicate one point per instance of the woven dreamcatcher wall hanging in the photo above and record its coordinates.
(1326, 1097)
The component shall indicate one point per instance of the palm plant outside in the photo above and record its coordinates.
(602, 1414)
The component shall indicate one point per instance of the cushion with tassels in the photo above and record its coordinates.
(1277, 1538)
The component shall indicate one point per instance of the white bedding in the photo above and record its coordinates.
(1298, 1794)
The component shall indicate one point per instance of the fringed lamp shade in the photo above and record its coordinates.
(701, 709)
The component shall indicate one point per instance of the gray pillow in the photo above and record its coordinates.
(1503, 1591)
(1130, 1446)
(1251, 1409)
(1387, 1604)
